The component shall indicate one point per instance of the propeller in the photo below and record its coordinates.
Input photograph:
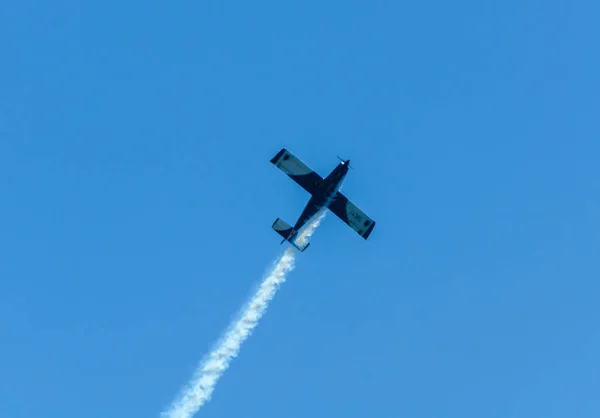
(344, 161)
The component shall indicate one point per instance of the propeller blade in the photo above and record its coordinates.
(342, 160)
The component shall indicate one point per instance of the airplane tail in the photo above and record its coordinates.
(288, 234)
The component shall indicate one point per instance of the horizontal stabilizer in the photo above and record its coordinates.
(282, 228)
(286, 232)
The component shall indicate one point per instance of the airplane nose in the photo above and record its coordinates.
(347, 162)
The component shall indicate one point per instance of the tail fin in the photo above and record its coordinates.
(286, 231)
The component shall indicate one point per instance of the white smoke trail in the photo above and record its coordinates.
(200, 388)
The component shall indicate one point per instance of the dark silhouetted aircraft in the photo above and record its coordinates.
(324, 194)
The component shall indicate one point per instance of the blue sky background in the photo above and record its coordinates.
(137, 201)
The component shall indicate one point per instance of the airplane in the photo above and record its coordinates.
(324, 194)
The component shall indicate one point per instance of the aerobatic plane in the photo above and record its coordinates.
(324, 194)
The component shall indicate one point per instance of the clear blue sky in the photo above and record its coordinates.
(137, 203)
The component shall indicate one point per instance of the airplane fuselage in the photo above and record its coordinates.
(323, 195)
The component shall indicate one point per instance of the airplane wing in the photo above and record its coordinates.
(352, 215)
(297, 170)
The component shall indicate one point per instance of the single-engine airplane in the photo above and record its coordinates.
(324, 194)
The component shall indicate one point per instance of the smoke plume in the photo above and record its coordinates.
(200, 388)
